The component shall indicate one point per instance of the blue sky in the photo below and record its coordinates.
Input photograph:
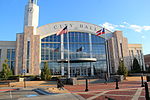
(130, 16)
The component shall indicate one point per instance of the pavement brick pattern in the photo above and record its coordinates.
(128, 90)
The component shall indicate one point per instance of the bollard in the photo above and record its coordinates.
(117, 87)
(142, 84)
(146, 91)
(86, 85)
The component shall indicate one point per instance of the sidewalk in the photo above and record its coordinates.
(128, 90)
(66, 96)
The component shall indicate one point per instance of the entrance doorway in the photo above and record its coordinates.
(80, 71)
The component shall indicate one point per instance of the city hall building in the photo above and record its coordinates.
(79, 52)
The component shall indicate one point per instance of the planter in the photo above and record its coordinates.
(118, 77)
(71, 81)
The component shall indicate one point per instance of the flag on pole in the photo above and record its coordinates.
(80, 49)
(100, 32)
(56, 50)
(62, 31)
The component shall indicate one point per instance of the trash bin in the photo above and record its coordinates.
(74, 81)
(148, 78)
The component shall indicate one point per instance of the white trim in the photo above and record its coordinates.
(73, 26)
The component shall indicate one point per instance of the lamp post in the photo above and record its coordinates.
(142, 84)
(24, 72)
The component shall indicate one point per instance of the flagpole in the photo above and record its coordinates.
(68, 55)
(61, 32)
(107, 51)
(141, 54)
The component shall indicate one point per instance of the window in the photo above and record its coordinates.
(28, 49)
(11, 53)
(28, 55)
(79, 47)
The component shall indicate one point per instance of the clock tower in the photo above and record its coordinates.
(31, 14)
(28, 44)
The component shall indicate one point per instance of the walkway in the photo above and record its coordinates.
(128, 90)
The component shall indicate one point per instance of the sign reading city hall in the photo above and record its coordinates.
(73, 26)
(82, 26)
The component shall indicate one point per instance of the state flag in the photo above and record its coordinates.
(80, 49)
(100, 32)
(56, 50)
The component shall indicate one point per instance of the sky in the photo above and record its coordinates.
(130, 16)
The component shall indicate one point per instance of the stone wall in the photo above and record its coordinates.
(118, 46)
(34, 54)
(19, 53)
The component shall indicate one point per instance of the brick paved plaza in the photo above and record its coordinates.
(128, 90)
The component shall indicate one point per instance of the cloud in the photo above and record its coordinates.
(126, 23)
(146, 28)
(136, 28)
(122, 26)
(110, 26)
(143, 37)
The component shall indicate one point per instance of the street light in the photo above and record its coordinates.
(24, 72)
(142, 84)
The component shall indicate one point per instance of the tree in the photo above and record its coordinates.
(6, 71)
(45, 72)
(136, 66)
(122, 70)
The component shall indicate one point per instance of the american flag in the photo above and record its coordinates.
(62, 31)
(100, 32)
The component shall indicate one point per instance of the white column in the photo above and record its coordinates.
(62, 54)
(75, 70)
(80, 71)
(91, 64)
(92, 69)
(86, 71)
(62, 68)
(107, 58)
(68, 55)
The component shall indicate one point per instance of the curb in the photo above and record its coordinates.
(43, 92)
